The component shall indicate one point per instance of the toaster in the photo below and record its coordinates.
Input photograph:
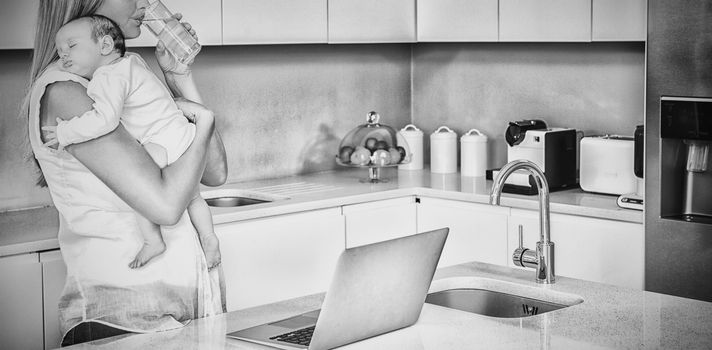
(607, 164)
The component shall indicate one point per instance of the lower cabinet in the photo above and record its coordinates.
(379, 220)
(478, 232)
(598, 250)
(280, 257)
(21, 302)
(54, 275)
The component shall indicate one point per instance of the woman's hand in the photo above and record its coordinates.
(166, 61)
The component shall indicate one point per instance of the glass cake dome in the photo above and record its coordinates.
(373, 145)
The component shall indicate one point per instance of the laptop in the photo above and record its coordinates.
(376, 288)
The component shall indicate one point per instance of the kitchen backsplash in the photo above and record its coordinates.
(283, 109)
(597, 88)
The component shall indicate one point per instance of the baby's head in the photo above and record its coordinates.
(87, 43)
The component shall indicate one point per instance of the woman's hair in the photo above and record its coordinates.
(101, 26)
(51, 15)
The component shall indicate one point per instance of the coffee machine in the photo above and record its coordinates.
(554, 150)
(685, 179)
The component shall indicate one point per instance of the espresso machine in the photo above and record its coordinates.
(686, 179)
(554, 150)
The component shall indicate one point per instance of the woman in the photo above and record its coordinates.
(98, 186)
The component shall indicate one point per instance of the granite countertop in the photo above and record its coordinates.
(35, 230)
(608, 317)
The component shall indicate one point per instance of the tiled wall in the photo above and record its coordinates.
(283, 109)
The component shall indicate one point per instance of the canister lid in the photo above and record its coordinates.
(411, 130)
(443, 133)
(473, 135)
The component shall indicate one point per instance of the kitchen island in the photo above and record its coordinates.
(608, 317)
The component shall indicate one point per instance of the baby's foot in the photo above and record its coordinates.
(148, 252)
(211, 248)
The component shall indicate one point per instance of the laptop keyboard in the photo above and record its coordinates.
(300, 336)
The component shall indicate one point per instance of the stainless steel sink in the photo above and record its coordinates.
(497, 298)
(489, 303)
(237, 197)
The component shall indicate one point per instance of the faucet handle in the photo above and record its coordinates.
(521, 237)
(524, 257)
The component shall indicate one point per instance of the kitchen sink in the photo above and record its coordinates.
(496, 298)
(237, 197)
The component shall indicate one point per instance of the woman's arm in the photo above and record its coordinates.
(161, 195)
(179, 79)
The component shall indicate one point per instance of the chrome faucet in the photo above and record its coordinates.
(543, 258)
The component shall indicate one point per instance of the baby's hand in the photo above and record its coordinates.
(50, 134)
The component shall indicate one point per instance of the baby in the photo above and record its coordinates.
(125, 90)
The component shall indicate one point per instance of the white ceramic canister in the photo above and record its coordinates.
(473, 153)
(443, 151)
(413, 137)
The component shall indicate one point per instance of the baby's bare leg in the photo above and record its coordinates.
(153, 244)
(203, 221)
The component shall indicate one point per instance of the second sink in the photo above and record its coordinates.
(237, 197)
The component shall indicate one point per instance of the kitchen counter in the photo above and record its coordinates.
(608, 317)
(36, 229)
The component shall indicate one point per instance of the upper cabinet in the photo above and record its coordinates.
(17, 23)
(371, 21)
(619, 20)
(274, 21)
(545, 20)
(258, 22)
(203, 15)
(458, 20)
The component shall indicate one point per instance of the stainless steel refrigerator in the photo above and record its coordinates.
(678, 245)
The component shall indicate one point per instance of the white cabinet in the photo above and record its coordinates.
(17, 23)
(457, 20)
(204, 16)
(619, 20)
(478, 232)
(280, 257)
(54, 275)
(545, 20)
(21, 302)
(598, 250)
(371, 21)
(274, 21)
(379, 221)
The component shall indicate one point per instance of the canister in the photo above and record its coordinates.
(473, 153)
(414, 139)
(443, 151)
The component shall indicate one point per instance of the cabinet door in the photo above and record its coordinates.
(21, 306)
(54, 275)
(457, 20)
(379, 221)
(619, 20)
(274, 21)
(280, 257)
(17, 23)
(371, 21)
(478, 232)
(204, 16)
(545, 20)
(598, 250)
